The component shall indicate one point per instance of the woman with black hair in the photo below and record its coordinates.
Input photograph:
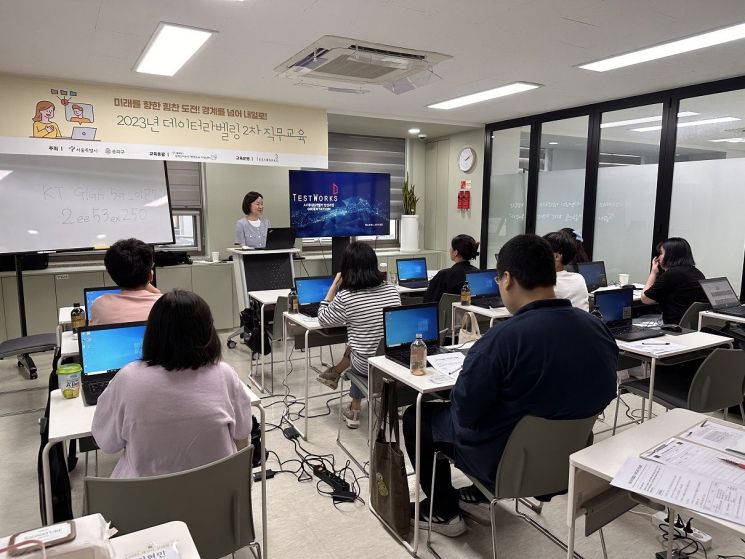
(180, 406)
(356, 300)
(580, 253)
(673, 280)
(463, 249)
(250, 230)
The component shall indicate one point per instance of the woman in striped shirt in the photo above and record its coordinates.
(356, 300)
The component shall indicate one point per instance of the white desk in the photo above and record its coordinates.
(423, 385)
(403, 290)
(500, 313)
(64, 315)
(72, 419)
(157, 535)
(68, 344)
(265, 298)
(695, 341)
(307, 324)
(713, 315)
(592, 469)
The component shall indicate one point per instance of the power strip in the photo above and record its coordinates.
(701, 537)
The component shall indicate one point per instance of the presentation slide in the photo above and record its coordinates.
(111, 349)
(402, 326)
(336, 204)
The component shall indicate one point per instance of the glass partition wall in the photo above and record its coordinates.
(628, 174)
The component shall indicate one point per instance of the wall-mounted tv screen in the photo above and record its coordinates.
(338, 204)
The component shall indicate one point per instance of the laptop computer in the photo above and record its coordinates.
(594, 274)
(412, 272)
(83, 133)
(310, 292)
(279, 238)
(103, 351)
(722, 297)
(484, 290)
(90, 294)
(614, 306)
(402, 324)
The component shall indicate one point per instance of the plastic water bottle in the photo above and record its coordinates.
(292, 302)
(418, 357)
(465, 294)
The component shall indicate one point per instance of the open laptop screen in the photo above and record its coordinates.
(93, 293)
(614, 304)
(720, 293)
(594, 274)
(402, 324)
(312, 290)
(105, 349)
(412, 269)
(482, 283)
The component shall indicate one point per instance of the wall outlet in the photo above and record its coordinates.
(701, 537)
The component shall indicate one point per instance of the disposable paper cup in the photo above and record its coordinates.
(69, 379)
(215, 257)
(623, 279)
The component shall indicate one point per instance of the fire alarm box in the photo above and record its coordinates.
(464, 200)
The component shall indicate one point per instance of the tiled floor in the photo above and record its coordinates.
(302, 523)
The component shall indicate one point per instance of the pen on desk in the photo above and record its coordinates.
(655, 343)
(740, 452)
(733, 462)
(704, 423)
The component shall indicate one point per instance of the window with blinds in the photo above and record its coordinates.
(370, 154)
(185, 186)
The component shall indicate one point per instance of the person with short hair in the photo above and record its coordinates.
(569, 285)
(673, 280)
(180, 406)
(129, 262)
(356, 300)
(463, 249)
(251, 229)
(78, 117)
(549, 360)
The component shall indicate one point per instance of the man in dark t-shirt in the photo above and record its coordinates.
(549, 360)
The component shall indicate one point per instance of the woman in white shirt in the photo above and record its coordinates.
(250, 230)
(568, 285)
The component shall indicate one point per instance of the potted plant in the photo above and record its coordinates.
(409, 219)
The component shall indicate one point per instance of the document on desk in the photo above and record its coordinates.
(716, 435)
(698, 459)
(447, 363)
(652, 345)
(681, 488)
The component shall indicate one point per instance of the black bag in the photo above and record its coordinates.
(389, 493)
(28, 262)
(250, 321)
(163, 258)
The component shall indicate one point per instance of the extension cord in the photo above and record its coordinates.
(332, 480)
(701, 537)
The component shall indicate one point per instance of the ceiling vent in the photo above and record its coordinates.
(350, 61)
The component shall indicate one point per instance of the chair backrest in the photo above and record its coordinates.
(279, 309)
(690, 317)
(213, 500)
(719, 382)
(535, 460)
(445, 308)
(409, 300)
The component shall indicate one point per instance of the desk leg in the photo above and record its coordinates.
(285, 341)
(571, 511)
(307, 384)
(700, 321)
(261, 324)
(47, 483)
(491, 321)
(651, 388)
(452, 324)
(417, 472)
(264, 529)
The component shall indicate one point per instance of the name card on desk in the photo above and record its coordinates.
(165, 551)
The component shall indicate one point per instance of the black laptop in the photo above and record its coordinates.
(279, 238)
(402, 324)
(310, 292)
(594, 274)
(103, 351)
(614, 306)
(90, 294)
(722, 297)
(484, 289)
(412, 272)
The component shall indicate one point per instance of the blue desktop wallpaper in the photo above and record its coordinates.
(312, 290)
(482, 283)
(402, 325)
(415, 268)
(110, 348)
(91, 296)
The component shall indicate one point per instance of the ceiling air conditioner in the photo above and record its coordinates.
(350, 61)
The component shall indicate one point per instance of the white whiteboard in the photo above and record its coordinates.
(61, 203)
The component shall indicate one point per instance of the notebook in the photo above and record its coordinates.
(594, 274)
(722, 297)
(90, 294)
(484, 289)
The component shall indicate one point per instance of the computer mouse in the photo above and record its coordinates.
(671, 328)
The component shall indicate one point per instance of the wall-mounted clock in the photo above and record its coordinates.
(467, 159)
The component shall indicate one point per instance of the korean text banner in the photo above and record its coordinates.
(59, 117)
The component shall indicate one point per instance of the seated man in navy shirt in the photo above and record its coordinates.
(549, 360)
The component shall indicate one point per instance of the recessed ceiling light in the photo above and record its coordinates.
(32, 232)
(730, 140)
(553, 143)
(642, 120)
(170, 47)
(690, 123)
(414, 130)
(688, 44)
(509, 89)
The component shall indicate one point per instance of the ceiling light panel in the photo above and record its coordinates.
(509, 89)
(170, 47)
(690, 123)
(642, 120)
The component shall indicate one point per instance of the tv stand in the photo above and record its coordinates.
(338, 246)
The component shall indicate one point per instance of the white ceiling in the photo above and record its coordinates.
(492, 42)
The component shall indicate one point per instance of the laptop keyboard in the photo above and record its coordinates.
(487, 302)
(734, 311)
(310, 309)
(403, 354)
(631, 333)
(92, 390)
(414, 284)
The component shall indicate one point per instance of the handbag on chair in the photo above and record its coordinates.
(389, 491)
(469, 329)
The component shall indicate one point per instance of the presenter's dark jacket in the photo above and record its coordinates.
(549, 360)
(675, 290)
(449, 280)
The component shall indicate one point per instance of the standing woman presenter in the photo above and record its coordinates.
(250, 230)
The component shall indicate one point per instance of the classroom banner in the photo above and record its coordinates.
(63, 118)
